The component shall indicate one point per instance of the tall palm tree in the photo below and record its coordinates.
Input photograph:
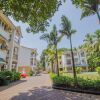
(89, 7)
(68, 31)
(52, 39)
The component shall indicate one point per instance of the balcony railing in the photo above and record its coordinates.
(4, 34)
(15, 57)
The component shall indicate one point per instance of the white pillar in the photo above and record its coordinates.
(11, 50)
(18, 53)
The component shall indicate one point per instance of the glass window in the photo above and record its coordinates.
(76, 60)
(31, 61)
(68, 61)
(68, 55)
(83, 61)
(82, 54)
(75, 54)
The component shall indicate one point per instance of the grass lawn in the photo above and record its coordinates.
(89, 75)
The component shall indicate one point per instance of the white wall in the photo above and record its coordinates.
(24, 56)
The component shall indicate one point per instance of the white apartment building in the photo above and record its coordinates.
(27, 59)
(79, 59)
(12, 55)
(10, 36)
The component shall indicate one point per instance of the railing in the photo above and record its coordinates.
(2, 54)
(15, 57)
(4, 34)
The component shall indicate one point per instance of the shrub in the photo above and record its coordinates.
(78, 70)
(67, 81)
(16, 76)
(8, 76)
(31, 73)
(62, 80)
(98, 70)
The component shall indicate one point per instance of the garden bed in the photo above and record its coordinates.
(75, 89)
(83, 85)
(7, 77)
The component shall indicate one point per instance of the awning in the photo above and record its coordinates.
(2, 61)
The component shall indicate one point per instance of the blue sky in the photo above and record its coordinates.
(84, 26)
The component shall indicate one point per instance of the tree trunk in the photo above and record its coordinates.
(73, 64)
(52, 66)
(98, 16)
(56, 56)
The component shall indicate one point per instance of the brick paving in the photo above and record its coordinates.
(39, 88)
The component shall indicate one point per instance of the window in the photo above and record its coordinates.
(76, 61)
(31, 61)
(75, 54)
(68, 61)
(82, 54)
(83, 61)
(68, 55)
(15, 50)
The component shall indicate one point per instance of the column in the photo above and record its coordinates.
(11, 49)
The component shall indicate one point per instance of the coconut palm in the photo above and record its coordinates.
(68, 31)
(97, 41)
(89, 7)
(52, 39)
(50, 58)
(89, 43)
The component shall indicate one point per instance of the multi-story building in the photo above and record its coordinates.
(6, 29)
(14, 47)
(80, 59)
(65, 61)
(27, 59)
(10, 54)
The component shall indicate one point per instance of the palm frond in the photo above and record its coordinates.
(45, 37)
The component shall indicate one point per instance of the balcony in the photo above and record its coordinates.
(3, 54)
(4, 34)
(15, 57)
(16, 40)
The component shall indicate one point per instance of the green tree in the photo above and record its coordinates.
(68, 31)
(89, 7)
(88, 43)
(52, 39)
(34, 12)
(97, 40)
(92, 47)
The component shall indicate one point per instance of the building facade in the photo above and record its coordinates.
(12, 55)
(80, 59)
(27, 59)
(6, 30)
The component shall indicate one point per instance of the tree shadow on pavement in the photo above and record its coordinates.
(2, 88)
(47, 93)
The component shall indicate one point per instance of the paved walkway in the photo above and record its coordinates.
(39, 88)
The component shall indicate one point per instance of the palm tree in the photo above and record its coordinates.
(68, 31)
(50, 58)
(89, 43)
(97, 40)
(97, 47)
(89, 7)
(52, 39)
